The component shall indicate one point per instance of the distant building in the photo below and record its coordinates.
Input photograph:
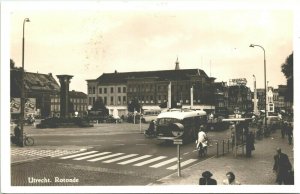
(239, 99)
(150, 88)
(38, 90)
(78, 102)
(221, 98)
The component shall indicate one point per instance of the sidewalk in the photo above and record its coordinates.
(256, 170)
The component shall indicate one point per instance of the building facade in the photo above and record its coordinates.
(150, 88)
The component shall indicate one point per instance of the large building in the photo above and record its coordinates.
(150, 88)
(38, 90)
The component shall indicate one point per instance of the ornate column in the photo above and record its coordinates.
(64, 94)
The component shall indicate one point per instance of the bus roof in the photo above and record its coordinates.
(181, 115)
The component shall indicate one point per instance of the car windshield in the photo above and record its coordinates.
(167, 121)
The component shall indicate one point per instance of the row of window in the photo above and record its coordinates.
(74, 100)
(119, 89)
(104, 90)
(120, 100)
(55, 107)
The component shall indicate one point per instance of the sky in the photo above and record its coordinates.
(86, 42)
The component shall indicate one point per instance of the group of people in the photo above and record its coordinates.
(282, 168)
(207, 179)
(287, 129)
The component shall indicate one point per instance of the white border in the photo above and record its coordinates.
(6, 7)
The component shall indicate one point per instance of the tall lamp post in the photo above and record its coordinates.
(22, 88)
(265, 77)
(255, 97)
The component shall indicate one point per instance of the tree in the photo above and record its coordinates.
(134, 105)
(100, 106)
(12, 64)
(287, 68)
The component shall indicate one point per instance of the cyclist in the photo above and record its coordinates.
(17, 133)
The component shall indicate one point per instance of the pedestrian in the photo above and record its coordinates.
(283, 129)
(230, 179)
(249, 144)
(206, 179)
(289, 133)
(281, 167)
(17, 133)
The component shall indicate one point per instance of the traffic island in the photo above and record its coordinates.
(55, 122)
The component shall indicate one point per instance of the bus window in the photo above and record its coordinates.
(167, 121)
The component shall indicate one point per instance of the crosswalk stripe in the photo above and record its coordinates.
(134, 159)
(182, 164)
(105, 157)
(91, 156)
(163, 163)
(149, 161)
(120, 158)
(81, 154)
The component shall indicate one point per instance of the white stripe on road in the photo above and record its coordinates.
(91, 156)
(105, 157)
(120, 158)
(182, 164)
(135, 159)
(149, 161)
(164, 163)
(81, 154)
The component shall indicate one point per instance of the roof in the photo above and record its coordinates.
(33, 81)
(164, 75)
(181, 115)
(77, 94)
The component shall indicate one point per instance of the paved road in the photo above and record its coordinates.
(120, 155)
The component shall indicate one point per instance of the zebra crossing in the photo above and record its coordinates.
(135, 160)
(42, 152)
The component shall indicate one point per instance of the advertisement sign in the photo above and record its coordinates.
(238, 81)
(15, 105)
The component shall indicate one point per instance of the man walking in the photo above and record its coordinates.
(282, 167)
(289, 132)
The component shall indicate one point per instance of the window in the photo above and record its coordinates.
(105, 100)
(158, 88)
(105, 90)
(111, 90)
(124, 99)
(111, 100)
(93, 100)
(100, 90)
(124, 89)
(119, 100)
(90, 100)
(90, 90)
(94, 90)
(119, 89)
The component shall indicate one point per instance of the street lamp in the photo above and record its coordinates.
(265, 77)
(255, 97)
(22, 87)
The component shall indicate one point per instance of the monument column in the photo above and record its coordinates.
(64, 94)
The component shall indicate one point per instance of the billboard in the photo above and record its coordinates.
(30, 105)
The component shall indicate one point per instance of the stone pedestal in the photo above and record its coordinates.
(64, 94)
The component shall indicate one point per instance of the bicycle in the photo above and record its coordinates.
(28, 141)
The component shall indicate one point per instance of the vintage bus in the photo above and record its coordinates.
(190, 119)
